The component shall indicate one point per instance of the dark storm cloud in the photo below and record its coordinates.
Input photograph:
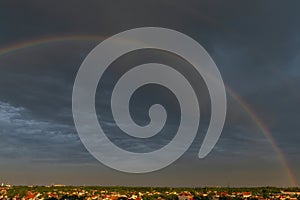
(255, 45)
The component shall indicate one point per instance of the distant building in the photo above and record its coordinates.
(185, 196)
(247, 194)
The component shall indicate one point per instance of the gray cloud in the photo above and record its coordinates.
(255, 47)
(27, 139)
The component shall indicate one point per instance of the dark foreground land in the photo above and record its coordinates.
(60, 192)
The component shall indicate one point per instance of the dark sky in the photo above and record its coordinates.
(255, 45)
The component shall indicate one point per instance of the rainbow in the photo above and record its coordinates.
(46, 40)
(254, 117)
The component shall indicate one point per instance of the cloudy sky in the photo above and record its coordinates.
(255, 45)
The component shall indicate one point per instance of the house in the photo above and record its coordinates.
(247, 194)
(185, 196)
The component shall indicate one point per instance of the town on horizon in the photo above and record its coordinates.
(62, 192)
(101, 100)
